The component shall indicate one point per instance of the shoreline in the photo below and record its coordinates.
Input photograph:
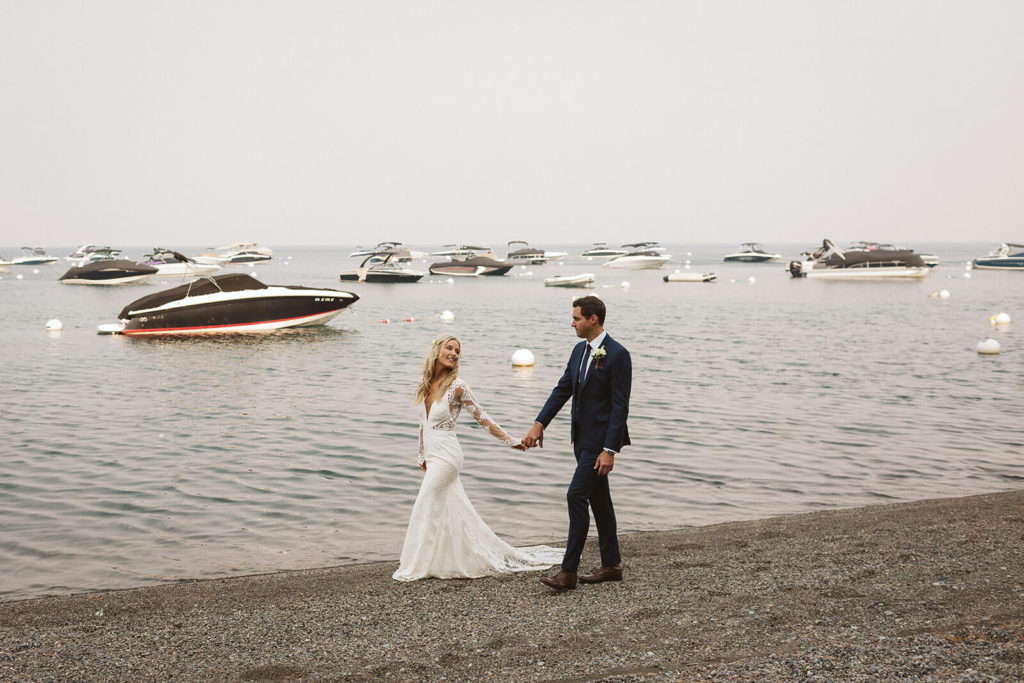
(926, 590)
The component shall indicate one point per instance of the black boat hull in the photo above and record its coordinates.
(384, 277)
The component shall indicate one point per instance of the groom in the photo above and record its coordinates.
(597, 378)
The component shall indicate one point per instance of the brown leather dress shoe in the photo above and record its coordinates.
(603, 574)
(562, 581)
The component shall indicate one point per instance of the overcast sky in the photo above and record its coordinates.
(182, 122)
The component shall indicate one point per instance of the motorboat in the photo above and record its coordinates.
(683, 276)
(108, 272)
(639, 260)
(246, 252)
(526, 254)
(233, 302)
(81, 252)
(171, 263)
(1007, 256)
(401, 252)
(462, 250)
(34, 256)
(930, 260)
(209, 257)
(382, 267)
(470, 265)
(602, 250)
(581, 280)
(751, 252)
(5, 265)
(830, 262)
(100, 254)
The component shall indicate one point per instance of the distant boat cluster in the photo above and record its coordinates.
(206, 302)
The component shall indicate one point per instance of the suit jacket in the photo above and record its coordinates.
(600, 405)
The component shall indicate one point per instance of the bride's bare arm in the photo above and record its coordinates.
(463, 396)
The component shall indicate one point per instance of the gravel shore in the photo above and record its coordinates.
(931, 590)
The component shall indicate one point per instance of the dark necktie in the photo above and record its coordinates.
(583, 365)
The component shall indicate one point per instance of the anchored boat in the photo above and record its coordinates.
(830, 262)
(581, 280)
(235, 302)
(108, 272)
(1007, 256)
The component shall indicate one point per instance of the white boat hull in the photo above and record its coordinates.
(34, 261)
(127, 280)
(184, 269)
(881, 273)
(581, 280)
(1008, 266)
(689, 277)
(458, 272)
(638, 262)
(209, 260)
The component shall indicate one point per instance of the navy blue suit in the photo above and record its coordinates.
(600, 406)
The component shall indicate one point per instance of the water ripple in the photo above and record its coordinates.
(131, 461)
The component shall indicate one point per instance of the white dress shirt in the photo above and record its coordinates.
(594, 346)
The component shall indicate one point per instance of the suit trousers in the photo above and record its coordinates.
(589, 491)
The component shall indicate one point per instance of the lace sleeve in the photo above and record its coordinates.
(463, 397)
(421, 459)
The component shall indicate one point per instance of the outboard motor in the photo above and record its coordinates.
(796, 269)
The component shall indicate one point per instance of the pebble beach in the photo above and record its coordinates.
(930, 590)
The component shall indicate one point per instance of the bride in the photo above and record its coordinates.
(446, 537)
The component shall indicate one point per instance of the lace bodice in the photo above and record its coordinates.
(445, 412)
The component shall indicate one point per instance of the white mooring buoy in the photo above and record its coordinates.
(988, 347)
(522, 358)
(1000, 319)
(447, 316)
(54, 325)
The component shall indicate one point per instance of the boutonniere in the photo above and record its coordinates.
(599, 356)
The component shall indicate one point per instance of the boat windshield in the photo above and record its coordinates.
(231, 282)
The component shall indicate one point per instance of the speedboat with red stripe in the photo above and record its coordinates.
(235, 302)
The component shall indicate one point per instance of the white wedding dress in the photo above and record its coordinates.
(446, 538)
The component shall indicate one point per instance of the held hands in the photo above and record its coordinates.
(534, 437)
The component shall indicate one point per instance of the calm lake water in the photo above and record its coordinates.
(131, 461)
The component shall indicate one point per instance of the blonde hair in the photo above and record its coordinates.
(430, 362)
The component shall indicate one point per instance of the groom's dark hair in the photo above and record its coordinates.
(591, 305)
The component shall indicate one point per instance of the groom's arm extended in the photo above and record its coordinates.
(559, 395)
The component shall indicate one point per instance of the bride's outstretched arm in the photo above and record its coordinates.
(463, 395)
